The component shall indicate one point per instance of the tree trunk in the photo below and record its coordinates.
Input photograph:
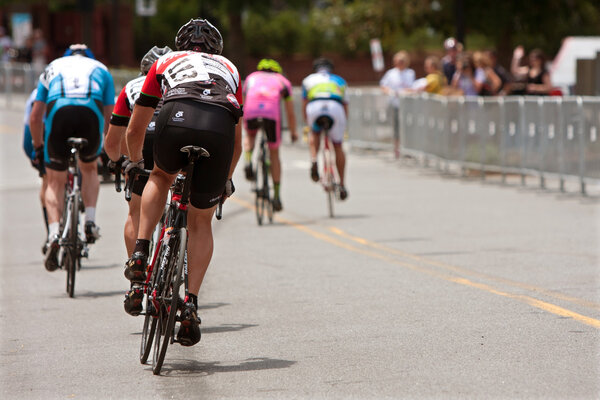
(235, 47)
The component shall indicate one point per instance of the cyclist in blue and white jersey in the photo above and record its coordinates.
(76, 93)
(324, 94)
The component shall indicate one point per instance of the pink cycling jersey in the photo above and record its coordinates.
(262, 93)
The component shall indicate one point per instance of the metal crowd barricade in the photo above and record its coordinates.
(539, 136)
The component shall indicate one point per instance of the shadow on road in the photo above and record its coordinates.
(217, 329)
(95, 295)
(210, 306)
(178, 368)
(226, 328)
(90, 267)
(351, 216)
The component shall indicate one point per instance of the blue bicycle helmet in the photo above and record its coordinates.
(79, 48)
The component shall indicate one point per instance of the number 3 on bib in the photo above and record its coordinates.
(187, 69)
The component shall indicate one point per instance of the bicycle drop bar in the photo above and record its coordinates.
(118, 176)
(219, 213)
(133, 174)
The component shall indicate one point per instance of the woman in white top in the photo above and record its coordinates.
(394, 81)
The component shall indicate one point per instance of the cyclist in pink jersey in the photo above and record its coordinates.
(263, 90)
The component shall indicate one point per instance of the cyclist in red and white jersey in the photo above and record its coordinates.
(114, 142)
(202, 106)
(115, 146)
(263, 91)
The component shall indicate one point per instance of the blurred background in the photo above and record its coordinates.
(296, 31)
(519, 81)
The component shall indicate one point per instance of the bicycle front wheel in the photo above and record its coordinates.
(150, 318)
(169, 299)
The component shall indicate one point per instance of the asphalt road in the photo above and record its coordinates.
(424, 286)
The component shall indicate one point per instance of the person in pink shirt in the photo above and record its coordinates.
(263, 90)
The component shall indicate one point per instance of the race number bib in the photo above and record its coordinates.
(184, 70)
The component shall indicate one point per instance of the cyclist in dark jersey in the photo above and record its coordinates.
(115, 145)
(202, 106)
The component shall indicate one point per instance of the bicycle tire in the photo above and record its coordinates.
(72, 246)
(150, 322)
(170, 292)
(329, 185)
(262, 191)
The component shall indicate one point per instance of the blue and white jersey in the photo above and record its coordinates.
(27, 140)
(324, 86)
(76, 77)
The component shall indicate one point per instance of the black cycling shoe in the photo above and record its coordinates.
(133, 300)
(314, 172)
(249, 172)
(343, 193)
(189, 328)
(277, 204)
(92, 232)
(135, 267)
(52, 247)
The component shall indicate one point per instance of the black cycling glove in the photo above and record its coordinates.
(114, 166)
(229, 188)
(38, 161)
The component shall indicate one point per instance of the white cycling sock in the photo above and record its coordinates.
(53, 229)
(90, 214)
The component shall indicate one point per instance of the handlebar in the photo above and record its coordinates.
(118, 180)
(219, 213)
(133, 173)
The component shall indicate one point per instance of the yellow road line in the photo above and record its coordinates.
(464, 271)
(548, 307)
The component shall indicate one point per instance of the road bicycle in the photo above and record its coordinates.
(73, 248)
(262, 189)
(329, 179)
(166, 285)
(149, 327)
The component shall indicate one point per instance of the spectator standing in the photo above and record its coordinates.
(534, 78)
(488, 83)
(394, 81)
(452, 48)
(5, 45)
(463, 80)
(503, 74)
(434, 82)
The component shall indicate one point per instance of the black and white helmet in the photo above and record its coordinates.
(151, 56)
(323, 63)
(199, 35)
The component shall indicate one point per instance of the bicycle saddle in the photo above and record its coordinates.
(195, 150)
(77, 142)
(325, 122)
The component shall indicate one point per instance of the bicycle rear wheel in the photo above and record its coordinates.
(169, 299)
(72, 251)
(262, 188)
(328, 183)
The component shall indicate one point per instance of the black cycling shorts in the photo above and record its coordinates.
(72, 121)
(187, 122)
(269, 126)
(148, 155)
